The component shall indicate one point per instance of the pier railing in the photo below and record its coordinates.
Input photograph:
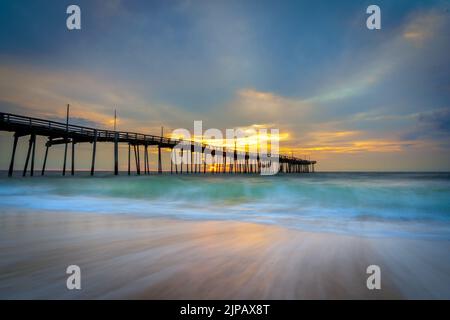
(72, 129)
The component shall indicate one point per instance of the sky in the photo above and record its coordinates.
(349, 97)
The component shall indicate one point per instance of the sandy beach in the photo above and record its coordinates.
(150, 258)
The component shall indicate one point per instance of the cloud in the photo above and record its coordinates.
(424, 26)
(79, 121)
(348, 142)
(349, 88)
(437, 120)
(267, 105)
(431, 125)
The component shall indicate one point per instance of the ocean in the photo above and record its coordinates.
(409, 205)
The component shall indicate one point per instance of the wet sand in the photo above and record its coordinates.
(125, 257)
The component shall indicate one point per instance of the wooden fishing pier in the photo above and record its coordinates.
(57, 133)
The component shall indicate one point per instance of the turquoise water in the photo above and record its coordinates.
(415, 205)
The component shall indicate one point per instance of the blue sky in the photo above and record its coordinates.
(350, 97)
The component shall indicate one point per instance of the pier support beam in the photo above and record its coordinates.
(94, 150)
(159, 160)
(116, 154)
(246, 170)
(258, 163)
(65, 159)
(235, 158)
(171, 162)
(135, 158)
(13, 155)
(213, 161)
(72, 171)
(33, 154)
(145, 159)
(204, 160)
(31, 143)
(148, 159)
(138, 159)
(192, 159)
(224, 160)
(195, 162)
(47, 146)
(187, 161)
(66, 140)
(181, 162)
(129, 158)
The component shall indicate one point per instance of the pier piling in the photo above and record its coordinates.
(72, 171)
(116, 154)
(94, 150)
(159, 160)
(31, 143)
(13, 155)
(47, 146)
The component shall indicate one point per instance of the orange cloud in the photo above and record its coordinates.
(342, 142)
(423, 27)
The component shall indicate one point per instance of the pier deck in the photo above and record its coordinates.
(66, 133)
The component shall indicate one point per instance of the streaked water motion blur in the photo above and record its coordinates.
(226, 237)
(370, 204)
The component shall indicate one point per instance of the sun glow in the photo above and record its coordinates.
(255, 138)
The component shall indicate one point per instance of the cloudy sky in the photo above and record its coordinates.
(352, 98)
